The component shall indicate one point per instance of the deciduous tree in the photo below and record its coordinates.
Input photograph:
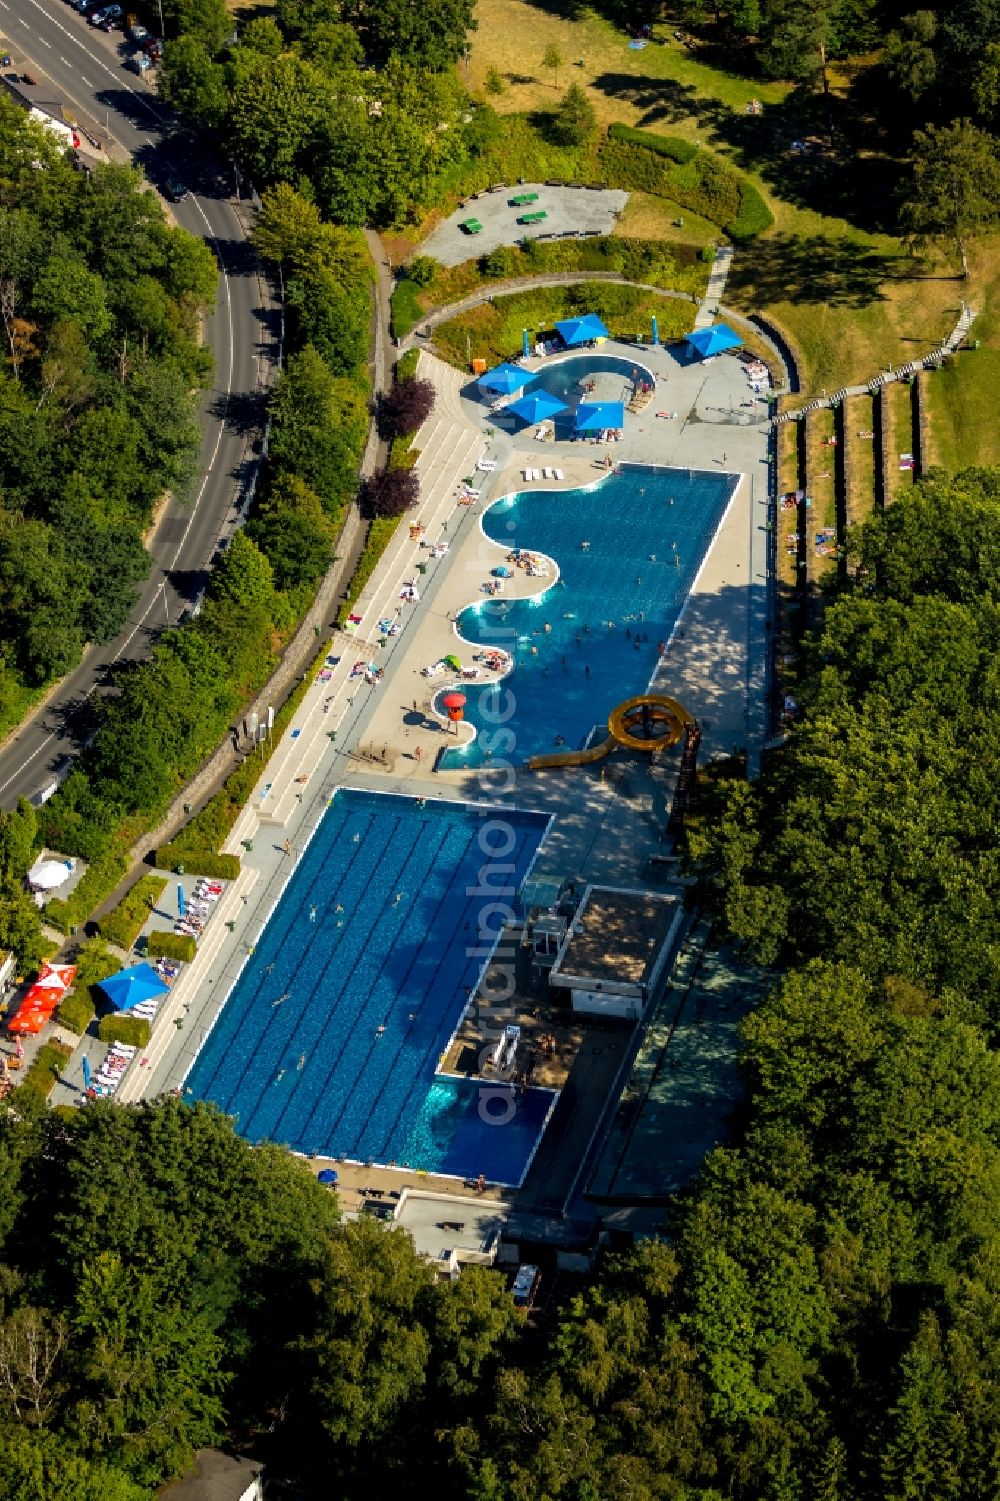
(952, 191)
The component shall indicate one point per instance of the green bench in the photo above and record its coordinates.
(535, 218)
(522, 198)
(471, 226)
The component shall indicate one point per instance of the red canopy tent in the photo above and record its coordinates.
(54, 980)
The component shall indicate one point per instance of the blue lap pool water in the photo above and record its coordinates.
(331, 1038)
(593, 639)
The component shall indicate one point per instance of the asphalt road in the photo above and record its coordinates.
(47, 39)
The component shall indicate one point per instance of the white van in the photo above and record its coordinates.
(525, 1286)
(44, 793)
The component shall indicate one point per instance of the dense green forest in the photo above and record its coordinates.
(818, 1320)
(100, 300)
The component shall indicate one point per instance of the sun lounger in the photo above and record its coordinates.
(486, 466)
(548, 474)
(557, 474)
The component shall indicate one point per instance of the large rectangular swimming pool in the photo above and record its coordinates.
(332, 1036)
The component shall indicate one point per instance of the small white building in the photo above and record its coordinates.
(615, 950)
(451, 1230)
(45, 110)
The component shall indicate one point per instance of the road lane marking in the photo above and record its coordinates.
(44, 42)
(112, 73)
(25, 764)
(229, 389)
(160, 593)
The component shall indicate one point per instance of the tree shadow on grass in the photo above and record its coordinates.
(789, 145)
(810, 269)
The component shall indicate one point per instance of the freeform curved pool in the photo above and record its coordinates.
(629, 550)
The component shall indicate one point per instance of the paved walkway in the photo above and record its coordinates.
(717, 278)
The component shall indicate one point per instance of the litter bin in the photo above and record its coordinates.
(421, 567)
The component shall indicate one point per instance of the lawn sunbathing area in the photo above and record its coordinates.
(852, 297)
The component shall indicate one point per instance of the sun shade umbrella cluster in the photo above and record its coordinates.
(130, 986)
(536, 406)
(506, 379)
(48, 874)
(706, 342)
(581, 330)
(595, 416)
(54, 980)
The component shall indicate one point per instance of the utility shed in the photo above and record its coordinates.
(615, 950)
(217, 1477)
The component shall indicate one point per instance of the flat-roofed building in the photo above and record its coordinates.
(615, 950)
(451, 1230)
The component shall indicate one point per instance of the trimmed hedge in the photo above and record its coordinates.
(379, 536)
(94, 962)
(405, 367)
(126, 922)
(404, 309)
(402, 455)
(76, 1010)
(674, 147)
(171, 946)
(41, 1074)
(703, 182)
(98, 881)
(199, 862)
(753, 218)
(132, 1030)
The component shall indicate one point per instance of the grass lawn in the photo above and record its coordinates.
(492, 331)
(657, 86)
(851, 297)
(901, 431)
(819, 428)
(963, 427)
(860, 458)
(648, 218)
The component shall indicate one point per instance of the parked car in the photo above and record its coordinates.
(107, 17)
(175, 190)
(138, 63)
(138, 34)
(153, 48)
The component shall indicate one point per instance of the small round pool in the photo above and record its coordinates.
(569, 380)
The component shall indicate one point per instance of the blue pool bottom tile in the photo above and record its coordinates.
(332, 1036)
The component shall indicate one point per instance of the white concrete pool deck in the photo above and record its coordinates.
(609, 819)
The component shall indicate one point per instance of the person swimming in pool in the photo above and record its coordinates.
(312, 913)
(284, 997)
(301, 1063)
